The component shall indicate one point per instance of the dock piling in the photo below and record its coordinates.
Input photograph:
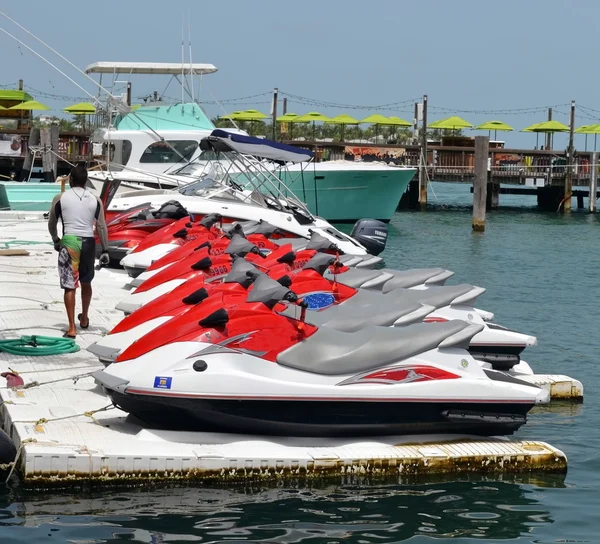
(593, 182)
(423, 160)
(54, 142)
(46, 145)
(482, 145)
(570, 162)
(32, 143)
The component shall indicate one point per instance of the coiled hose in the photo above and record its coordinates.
(39, 345)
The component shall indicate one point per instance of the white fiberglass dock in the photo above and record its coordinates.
(66, 429)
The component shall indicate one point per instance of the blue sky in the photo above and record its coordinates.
(471, 55)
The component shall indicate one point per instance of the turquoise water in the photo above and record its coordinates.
(541, 275)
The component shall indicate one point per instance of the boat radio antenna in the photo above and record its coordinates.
(182, 60)
(120, 106)
(58, 55)
(190, 53)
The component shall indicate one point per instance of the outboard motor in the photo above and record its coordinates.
(371, 233)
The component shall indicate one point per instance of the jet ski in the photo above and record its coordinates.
(334, 305)
(127, 230)
(251, 192)
(259, 234)
(248, 369)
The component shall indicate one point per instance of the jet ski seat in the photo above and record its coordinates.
(353, 319)
(410, 278)
(356, 277)
(438, 296)
(333, 353)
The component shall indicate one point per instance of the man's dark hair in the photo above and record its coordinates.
(79, 176)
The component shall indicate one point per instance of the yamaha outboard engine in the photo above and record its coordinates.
(372, 234)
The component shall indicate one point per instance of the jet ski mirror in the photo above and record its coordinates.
(242, 272)
(236, 229)
(269, 292)
(320, 262)
(258, 252)
(180, 233)
(240, 246)
(211, 219)
(202, 264)
(267, 229)
(320, 243)
(196, 297)
(286, 281)
(203, 244)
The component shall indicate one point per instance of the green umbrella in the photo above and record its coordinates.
(287, 118)
(252, 115)
(397, 122)
(547, 127)
(377, 119)
(311, 117)
(290, 118)
(451, 123)
(233, 115)
(343, 120)
(589, 129)
(81, 108)
(30, 105)
(495, 126)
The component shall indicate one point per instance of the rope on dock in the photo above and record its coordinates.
(89, 413)
(39, 384)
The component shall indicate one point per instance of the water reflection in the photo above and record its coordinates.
(358, 511)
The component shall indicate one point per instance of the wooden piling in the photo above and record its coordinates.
(32, 142)
(482, 146)
(45, 143)
(54, 142)
(423, 160)
(570, 161)
(593, 182)
(493, 195)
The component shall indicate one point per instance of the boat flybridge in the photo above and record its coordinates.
(154, 138)
(234, 177)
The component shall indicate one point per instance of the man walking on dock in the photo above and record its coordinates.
(79, 210)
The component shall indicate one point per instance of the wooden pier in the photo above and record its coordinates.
(46, 149)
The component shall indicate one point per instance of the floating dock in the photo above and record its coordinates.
(66, 430)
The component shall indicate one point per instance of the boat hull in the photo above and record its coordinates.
(346, 193)
(323, 417)
(27, 196)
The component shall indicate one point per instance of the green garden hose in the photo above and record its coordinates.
(39, 345)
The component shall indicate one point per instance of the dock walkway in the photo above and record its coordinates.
(67, 431)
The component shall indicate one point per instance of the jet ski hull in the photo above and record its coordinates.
(320, 417)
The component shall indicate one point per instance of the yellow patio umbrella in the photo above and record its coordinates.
(377, 119)
(589, 129)
(81, 108)
(495, 126)
(234, 115)
(311, 117)
(546, 127)
(252, 115)
(30, 105)
(451, 123)
(343, 120)
(290, 118)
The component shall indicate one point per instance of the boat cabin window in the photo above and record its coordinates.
(163, 152)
